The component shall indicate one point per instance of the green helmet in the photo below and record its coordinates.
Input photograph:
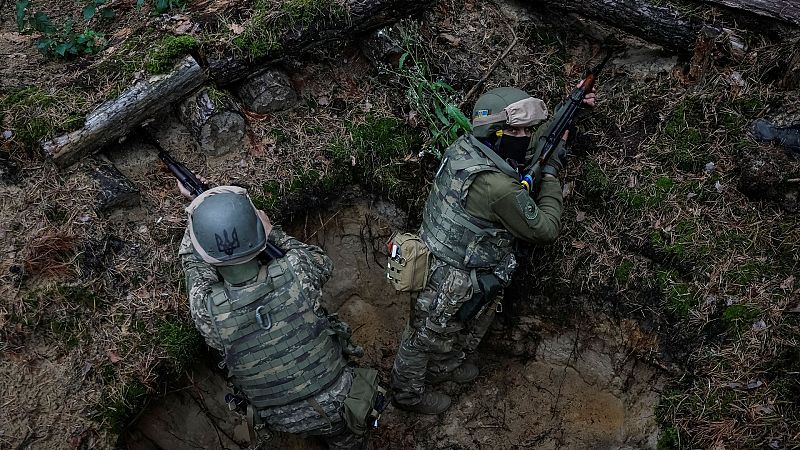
(224, 227)
(494, 102)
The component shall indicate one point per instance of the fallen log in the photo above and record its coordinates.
(673, 24)
(115, 118)
(362, 16)
(215, 120)
(786, 10)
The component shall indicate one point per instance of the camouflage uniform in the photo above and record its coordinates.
(312, 268)
(475, 211)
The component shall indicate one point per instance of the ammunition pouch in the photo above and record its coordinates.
(365, 402)
(487, 289)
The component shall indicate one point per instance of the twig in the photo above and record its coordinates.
(491, 69)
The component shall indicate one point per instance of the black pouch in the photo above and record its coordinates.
(489, 286)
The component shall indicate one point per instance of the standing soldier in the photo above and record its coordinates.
(283, 353)
(477, 208)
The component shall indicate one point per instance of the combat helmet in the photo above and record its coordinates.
(505, 106)
(227, 232)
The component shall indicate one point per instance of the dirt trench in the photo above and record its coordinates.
(579, 391)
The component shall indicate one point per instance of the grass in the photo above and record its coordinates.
(263, 34)
(121, 403)
(33, 113)
(181, 342)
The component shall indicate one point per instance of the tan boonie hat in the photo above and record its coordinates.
(523, 113)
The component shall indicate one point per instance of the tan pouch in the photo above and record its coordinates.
(409, 260)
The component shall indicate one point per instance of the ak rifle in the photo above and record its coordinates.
(195, 186)
(563, 119)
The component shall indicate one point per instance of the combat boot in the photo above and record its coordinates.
(462, 374)
(431, 403)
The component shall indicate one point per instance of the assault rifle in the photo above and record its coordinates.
(562, 121)
(195, 186)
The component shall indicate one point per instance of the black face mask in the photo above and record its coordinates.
(513, 148)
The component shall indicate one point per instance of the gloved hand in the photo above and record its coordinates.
(558, 161)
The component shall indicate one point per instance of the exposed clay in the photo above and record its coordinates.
(580, 391)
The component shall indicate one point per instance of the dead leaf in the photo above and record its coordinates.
(788, 283)
(580, 216)
(450, 39)
(236, 28)
(579, 245)
(113, 357)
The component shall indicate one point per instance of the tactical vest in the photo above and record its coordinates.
(450, 232)
(277, 349)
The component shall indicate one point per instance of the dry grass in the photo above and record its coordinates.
(700, 275)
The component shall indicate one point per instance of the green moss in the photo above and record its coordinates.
(679, 297)
(684, 139)
(746, 273)
(181, 342)
(162, 58)
(374, 146)
(596, 185)
(120, 404)
(623, 272)
(736, 316)
(669, 439)
(270, 21)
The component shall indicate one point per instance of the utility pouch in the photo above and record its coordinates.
(365, 402)
(409, 261)
(489, 287)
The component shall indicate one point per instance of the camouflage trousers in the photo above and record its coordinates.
(435, 340)
(320, 415)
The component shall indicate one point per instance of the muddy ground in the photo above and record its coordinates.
(578, 389)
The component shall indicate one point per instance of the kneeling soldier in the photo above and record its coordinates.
(283, 352)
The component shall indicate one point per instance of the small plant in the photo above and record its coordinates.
(433, 101)
(64, 41)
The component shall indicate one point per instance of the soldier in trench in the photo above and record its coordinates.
(285, 356)
(475, 212)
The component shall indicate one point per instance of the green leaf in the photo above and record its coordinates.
(161, 6)
(108, 13)
(43, 45)
(440, 115)
(402, 60)
(139, 4)
(88, 11)
(61, 49)
(454, 113)
(68, 24)
(443, 85)
(41, 23)
(22, 5)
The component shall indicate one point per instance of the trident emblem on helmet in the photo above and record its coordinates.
(226, 245)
